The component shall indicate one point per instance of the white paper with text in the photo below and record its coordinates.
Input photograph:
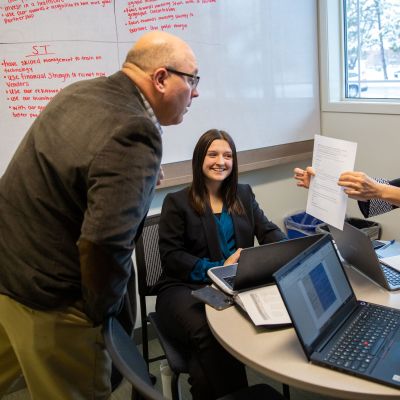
(326, 199)
(393, 262)
(264, 306)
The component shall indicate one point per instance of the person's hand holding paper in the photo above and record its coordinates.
(326, 199)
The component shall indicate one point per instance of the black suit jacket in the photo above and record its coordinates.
(186, 236)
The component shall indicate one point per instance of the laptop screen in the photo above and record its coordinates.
(314, 288)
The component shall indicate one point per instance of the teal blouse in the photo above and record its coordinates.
(226, 236)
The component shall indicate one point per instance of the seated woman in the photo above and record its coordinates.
(375, 196)
(203, 226)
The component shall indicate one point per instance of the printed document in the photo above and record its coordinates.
(326, 199)
(393, 262)
(264, 306)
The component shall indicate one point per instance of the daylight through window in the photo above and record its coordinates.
(372, 49)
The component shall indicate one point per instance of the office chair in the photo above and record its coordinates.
(128, 360)
(149, 270)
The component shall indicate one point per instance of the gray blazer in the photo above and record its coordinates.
(87, 169)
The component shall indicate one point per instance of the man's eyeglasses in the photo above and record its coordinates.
(192, 79)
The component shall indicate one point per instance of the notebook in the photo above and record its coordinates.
(257, 264)
(358, 250)
(335, 329)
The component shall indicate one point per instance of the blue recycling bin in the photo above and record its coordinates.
(301, 224)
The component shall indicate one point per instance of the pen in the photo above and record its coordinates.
(387, 244)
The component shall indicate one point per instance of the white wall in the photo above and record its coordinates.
(378, 141)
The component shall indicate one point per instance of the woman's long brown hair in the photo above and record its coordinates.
(198, 194)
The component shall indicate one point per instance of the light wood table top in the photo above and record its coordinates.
(279, 355)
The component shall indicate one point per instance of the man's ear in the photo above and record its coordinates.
(160, 75)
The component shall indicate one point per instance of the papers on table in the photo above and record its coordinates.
(264, 306)
(326, 200)
(393, 262)
(391, 248)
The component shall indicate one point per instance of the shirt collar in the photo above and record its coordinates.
(151, 113)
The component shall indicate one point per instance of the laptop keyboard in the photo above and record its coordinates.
(392, 276)
(229, 280)
(358, 346)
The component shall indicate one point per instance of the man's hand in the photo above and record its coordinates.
(303, 177)
(160, 176)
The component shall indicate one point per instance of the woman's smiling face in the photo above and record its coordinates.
(217, 164)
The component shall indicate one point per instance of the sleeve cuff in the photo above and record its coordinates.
(374, 207)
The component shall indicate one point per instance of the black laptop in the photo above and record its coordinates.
(257, 264)
(358, 250)
(335, 329)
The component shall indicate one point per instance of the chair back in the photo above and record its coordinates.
(148, 261)
(128, 360)
(149, 271)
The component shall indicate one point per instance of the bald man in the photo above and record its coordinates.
(72, 202)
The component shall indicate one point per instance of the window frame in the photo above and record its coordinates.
(332, 73)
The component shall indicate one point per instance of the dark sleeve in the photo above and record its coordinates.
(374, 207)
(364, 208)
(264, 229)
(121, 181)
(103, 278)
(395, 182)
(175, 257)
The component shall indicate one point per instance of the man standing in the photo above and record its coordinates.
(71, 205)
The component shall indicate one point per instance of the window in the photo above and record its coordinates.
(352, 78)
(372, 48)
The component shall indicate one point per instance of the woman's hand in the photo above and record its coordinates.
(234, 258)
(359, 186)
(303, 177)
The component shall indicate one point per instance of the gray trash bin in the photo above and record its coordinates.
(371, 228)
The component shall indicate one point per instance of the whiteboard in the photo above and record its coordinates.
(258, 63)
